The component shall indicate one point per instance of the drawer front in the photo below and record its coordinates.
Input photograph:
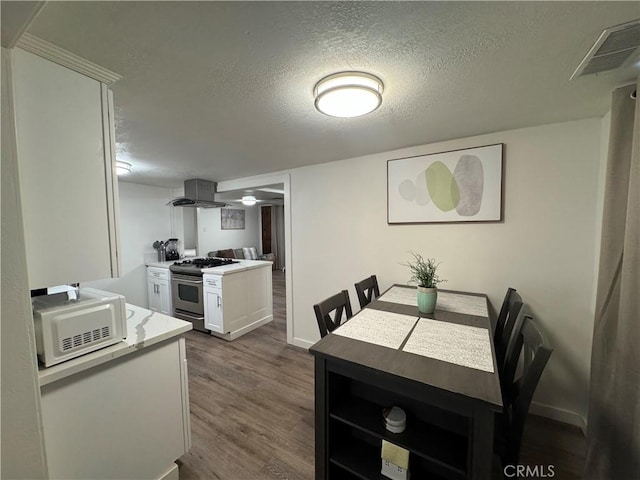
(158, 273)
(213, 282)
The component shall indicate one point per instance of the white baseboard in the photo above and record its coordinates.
(559, 414)
(172, 474)
(302, 343)
(246, 329)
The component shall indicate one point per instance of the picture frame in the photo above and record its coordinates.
(231, 219)
(457, 186)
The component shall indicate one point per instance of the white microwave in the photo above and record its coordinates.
(66, 329)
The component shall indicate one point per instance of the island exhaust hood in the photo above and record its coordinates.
(198, 193)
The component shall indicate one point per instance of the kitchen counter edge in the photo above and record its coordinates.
(242, 264)
(144, 329)
(166, 264)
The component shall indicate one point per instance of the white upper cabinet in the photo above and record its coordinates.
(64, 128)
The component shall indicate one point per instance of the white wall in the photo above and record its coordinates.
(144, 218)
(23, 454)
(545, 247)
(189, 216)
(212, 237)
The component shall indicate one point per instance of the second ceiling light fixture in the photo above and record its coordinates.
(249, 200)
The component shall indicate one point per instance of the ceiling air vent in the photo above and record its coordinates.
(616, 47)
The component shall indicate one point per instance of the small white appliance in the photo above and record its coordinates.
(66, 328)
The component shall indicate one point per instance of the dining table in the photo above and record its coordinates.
(440, 368)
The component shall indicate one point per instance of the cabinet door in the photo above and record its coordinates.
(153, 295)
(125, 419)
(213, 310)
(164, 294)
(65, 165)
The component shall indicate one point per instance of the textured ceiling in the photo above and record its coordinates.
(223, 90)
(15, 17)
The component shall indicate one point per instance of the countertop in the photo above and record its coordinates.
(236, 267)
(163, 264)
(222, 270)
(144, 328)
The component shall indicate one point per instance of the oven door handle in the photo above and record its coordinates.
(186, 279)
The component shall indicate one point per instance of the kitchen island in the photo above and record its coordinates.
(227, 300)
(238, 298)
(122, 411)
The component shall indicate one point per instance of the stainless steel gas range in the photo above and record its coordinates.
(186, 288)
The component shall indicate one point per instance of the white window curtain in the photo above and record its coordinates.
(613, 432)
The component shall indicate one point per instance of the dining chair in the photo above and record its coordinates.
(512, 354)
(511, 307)
(367, 290)
(337, 305)
(518, 392)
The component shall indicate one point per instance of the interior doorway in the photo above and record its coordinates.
(272, 191)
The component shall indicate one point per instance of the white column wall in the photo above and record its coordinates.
(546, 246)
(23, 451)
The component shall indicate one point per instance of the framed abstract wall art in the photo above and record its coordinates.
(448, 187)
(231, 219)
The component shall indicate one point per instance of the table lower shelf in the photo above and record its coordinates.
(362, 461)
(435, 448)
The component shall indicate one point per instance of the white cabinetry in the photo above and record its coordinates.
(237, 302)
(213, 303)
(225, 308)
(159, 290)
(125, 419)
(259, 293)
(65, 157)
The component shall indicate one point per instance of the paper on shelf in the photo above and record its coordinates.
(397, 455)
(375, 326)
(453, 343)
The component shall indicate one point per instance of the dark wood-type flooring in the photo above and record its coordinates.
(252, 410)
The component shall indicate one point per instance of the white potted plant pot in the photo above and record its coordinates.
(427, 299)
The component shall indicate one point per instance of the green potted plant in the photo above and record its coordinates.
(423, 273)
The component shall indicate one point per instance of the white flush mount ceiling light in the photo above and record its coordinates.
(123, 168)
(348, 94)
(249, 200)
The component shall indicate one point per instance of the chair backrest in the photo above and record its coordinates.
(367, 290)
(511, 307)
(512, 356)
(517, 395)
(336, 305)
